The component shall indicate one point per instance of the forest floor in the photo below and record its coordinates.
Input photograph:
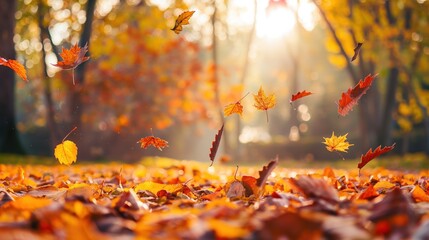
(161, 198)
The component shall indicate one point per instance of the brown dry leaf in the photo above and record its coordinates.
(15, 66)
(290, 225)
(235, 190)
(182, 19)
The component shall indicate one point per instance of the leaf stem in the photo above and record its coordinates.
(266, 113)
(235, 174)
(69, 134)
(243, 97)
(73, 76)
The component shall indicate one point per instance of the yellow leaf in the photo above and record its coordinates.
(419, 195)
(183, 19)
(156, 187)
(384, 185)
(263, 102)
(28, 203)
(227, 229)
(335, 143)
(233, 108)
(66, 152)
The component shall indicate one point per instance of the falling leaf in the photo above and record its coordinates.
(356, 51)
(335, 143)
(182, 19)
(234, 108)
(263, 102)
(153, 141)
(215, 144)
(66, 151)
(299, 95)
(72, 58)
(15, 66)
(350, 98)
(364, 159)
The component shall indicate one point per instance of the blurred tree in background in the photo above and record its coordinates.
(143, 76)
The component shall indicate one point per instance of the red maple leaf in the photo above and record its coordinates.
(299, 95)
(350, 98)
(373, 154)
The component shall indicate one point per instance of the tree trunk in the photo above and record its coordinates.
(50, 113)
(365, 120)
(389, 105)
(216, 80)
(244, 73)
(76, 101)
(9, 141)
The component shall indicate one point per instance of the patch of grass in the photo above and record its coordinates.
(26, 160)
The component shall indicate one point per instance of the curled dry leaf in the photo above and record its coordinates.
(315, 188)
(264, 102)
(266, 171)
(356, 51)
(350, 98)
(370, 155)
(299, 95)
(335, 143)
(182, 19)
(15, 66)
(215, 144)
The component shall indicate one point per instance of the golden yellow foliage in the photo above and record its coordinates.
(335, 143)
(66, 152)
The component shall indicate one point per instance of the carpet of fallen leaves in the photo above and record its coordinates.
(189, 200)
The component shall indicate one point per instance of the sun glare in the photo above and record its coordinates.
(276, 23)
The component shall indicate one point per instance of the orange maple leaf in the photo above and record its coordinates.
(234, 108)
(263, 102)
(153, 141)
(350, 98)
(373, 154)
(15, 66)
(72, 58)
(299, 95)
(182, 19)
